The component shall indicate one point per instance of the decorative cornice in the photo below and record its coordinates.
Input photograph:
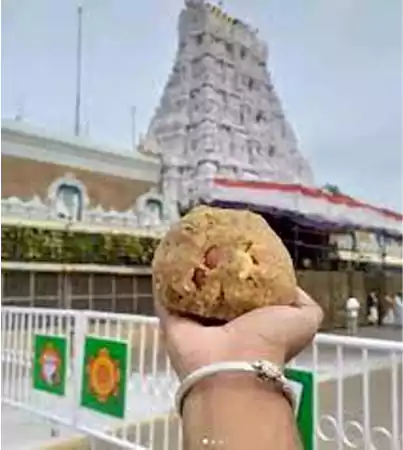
(82, 268)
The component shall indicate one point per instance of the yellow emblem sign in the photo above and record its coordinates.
(104, 376)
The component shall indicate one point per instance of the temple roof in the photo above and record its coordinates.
(308, 205)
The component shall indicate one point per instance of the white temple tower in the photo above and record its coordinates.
(219, 114)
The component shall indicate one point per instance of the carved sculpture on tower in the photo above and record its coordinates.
(219, 115)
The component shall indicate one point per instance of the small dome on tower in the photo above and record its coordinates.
(194, 3)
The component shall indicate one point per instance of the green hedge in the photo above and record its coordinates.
(27, 244)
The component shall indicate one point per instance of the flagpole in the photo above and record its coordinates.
(20, 116)
(133, 117)
(77, 121)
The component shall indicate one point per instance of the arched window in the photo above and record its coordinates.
(241, 116)
(199, 39)
(230, 48)
(69, 202)
(154, 209)
(251, 156)
(151, 207)
(259, 117)
(68, 197)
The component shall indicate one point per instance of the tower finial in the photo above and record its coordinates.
(194, 3)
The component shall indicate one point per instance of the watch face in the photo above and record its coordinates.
(297, 389)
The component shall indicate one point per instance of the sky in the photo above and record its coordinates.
(336, 64)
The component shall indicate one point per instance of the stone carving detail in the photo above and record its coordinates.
(150, 213)
(148, 146)
(229, 111)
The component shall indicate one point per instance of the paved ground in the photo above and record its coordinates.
(146, 398)
(387, 332)
(23, 431)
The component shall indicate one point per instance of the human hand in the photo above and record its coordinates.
(275, 333)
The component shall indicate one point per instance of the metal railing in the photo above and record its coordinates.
(358, 401)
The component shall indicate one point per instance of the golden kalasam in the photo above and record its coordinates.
(220, 263)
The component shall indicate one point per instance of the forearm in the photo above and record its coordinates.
(237, 412)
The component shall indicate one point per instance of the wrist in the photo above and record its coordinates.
(220, 408)
(241, 352)
(222, 387)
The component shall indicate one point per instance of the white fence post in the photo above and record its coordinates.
(79, 332)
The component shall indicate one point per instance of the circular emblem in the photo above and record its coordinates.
(104, 375)
(50, 363)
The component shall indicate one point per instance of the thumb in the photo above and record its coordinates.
(309, 309)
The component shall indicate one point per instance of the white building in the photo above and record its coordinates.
(49, 177)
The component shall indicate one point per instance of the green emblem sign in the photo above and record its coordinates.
(302, 383)
(104, 376)
(50, 364)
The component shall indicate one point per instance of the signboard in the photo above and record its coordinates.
(50, 364)
(343, 244)
(368, 247)
(393, 251)
(302, 383)
(342, 241)
(104, 376)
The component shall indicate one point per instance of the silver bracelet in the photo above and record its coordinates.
(262, 369)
